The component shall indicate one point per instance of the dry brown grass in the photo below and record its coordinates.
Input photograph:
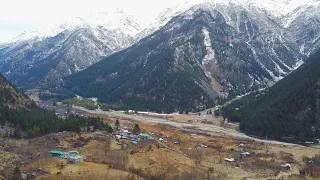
(182, 118)
(114, 146)
(50, 165)
(149, 161)
(94, 151)
(8, 159)
(311, 167)
(117, 159)
(204, 158)
(7, 162)
(310, 170)
(87, 170)
(157, 160)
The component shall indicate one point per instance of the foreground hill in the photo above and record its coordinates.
(10, 96)
(25, 118)
(288, 110)
(178, 156)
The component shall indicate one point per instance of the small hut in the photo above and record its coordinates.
(56, 153)
(144, 136)
(74, 157)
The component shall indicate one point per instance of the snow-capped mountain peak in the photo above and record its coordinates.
(277, 8)
(117, 20)
(251, 32)
(68, 47)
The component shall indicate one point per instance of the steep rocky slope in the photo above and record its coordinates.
(304, 25)
(210, 50)
(10, 96)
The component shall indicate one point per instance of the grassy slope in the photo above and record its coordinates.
(86, 103)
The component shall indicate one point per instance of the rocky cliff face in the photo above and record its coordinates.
(304, 25)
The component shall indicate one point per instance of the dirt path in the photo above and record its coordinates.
(208, 128)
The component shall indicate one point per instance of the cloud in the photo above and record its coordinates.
(7, 35)
(30, 15)
(46, 12)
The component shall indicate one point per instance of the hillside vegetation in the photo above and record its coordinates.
(11, 96)
(23, 115)
(86, 103)
(38, 122)
(142, 87)
(290, 110)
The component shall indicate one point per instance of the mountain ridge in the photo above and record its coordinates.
(222, 49)
(214, 54)
(113, 20)
(44, 61)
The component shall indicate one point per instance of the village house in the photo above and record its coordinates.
(74, 157)
(144, 136)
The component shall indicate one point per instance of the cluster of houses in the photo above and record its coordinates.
(124, 133)
(242, 153)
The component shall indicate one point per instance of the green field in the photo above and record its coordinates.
(86, 103)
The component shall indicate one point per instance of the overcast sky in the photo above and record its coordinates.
(17, 16)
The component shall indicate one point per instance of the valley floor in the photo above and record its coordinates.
(180, 147)
(202, 123)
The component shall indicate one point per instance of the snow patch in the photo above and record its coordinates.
(298, 64)
(261, 64)
(117, 21)
(210, 52)
(279, 68)
(252, 80)
(79, 97)
(76, 67)
(291, 69)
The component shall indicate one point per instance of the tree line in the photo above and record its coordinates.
(38, 122)
(288, 111)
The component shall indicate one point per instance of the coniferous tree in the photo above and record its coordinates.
(16, 172)
(38, 122)
(287, 111)
(110, 129)
(117, 124)
(136, 129)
